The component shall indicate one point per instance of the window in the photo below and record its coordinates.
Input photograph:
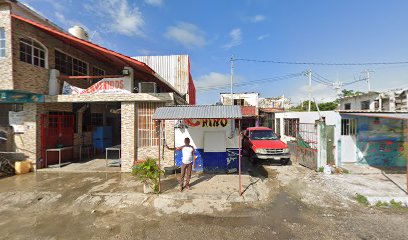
(2, 42)
(347, 106)
(97, 72)
(69, 65)
(291, 126)
(239, 102)
(147, 135)
(32, 52)
(348, 126)
(365, 105)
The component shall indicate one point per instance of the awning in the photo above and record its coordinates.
(17, 96)
(401, 116)
(197, 112)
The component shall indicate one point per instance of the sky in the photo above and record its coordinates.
(211, 32)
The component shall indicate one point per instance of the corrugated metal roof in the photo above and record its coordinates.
(197, 112)
(175, 69)
(403, 116)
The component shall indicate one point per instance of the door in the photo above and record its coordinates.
(215, 151)
(330, 144)
(348, 149)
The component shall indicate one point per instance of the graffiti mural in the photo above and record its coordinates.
(380, 142)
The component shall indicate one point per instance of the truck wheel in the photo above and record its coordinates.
(284, 162)
(252, 158)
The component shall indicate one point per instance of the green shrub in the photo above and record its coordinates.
(148, 171)
(395, 204)
(382, 204)
(361, 199)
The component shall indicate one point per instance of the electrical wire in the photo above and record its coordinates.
(321, 63)
(355, 81)
(263, 80)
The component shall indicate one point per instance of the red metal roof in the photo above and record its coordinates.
(142, 71)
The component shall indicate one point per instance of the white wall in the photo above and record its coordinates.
(332, 118)
(196, 135)
(355, 102)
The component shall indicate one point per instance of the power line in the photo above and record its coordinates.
(271, 79)
(321, 63)
(355, 81)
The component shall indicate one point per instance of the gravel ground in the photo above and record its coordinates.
(301, 205)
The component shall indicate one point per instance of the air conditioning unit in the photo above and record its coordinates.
(147, 87)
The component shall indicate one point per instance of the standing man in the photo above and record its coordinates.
(188, 162)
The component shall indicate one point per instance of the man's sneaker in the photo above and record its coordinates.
(188, 187)
(181, 188)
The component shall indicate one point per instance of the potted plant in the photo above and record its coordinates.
(148, 172)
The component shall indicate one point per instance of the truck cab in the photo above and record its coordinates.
(261, 143)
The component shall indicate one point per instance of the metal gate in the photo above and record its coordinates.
(57, 130)
(304, 149)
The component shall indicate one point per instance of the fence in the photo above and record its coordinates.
(304, 149)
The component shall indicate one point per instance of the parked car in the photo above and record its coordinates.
(261, 143)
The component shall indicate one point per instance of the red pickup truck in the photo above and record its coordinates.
(263, 143)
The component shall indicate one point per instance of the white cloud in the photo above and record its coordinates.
(212, 79)
(145, 52)
(156, 3)
(118, 16)
(257, 18)
(263, 36)
(187, 34)
(236, 38)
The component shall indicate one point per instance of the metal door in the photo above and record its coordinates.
(330, 144)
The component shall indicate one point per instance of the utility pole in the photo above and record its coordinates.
(232, 79)
(337, 87)
(309, 74)
(367, 72)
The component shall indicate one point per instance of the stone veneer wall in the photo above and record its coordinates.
(128, 144)
(6, 63)
(29, 142)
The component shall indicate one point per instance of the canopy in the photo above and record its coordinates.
(197, 112)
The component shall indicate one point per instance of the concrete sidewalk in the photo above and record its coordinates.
(104, 191)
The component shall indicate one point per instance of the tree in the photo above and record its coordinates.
(350, 93)
(325, 106)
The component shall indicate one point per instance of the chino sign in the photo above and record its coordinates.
(221, 122)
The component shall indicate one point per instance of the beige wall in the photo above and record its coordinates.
(6, 75)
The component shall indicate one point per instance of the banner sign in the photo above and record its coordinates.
(104, 86)
(221, 122)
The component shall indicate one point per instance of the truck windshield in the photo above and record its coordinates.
(263, 135)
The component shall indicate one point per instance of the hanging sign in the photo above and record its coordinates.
(104, 86)
(221, 122)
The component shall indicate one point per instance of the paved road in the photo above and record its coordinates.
(53, 206)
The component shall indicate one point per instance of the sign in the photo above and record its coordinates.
(16, 120)
(15, 96)
(221, 122)
(105, 86)
(68, 89)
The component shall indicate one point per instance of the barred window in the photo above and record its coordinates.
(348, 126)
(291, 126)
(2, 42)
(32, 52)
(147, 135)
(69, 65)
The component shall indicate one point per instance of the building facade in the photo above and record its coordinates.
(388, 101)
(57, 90)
